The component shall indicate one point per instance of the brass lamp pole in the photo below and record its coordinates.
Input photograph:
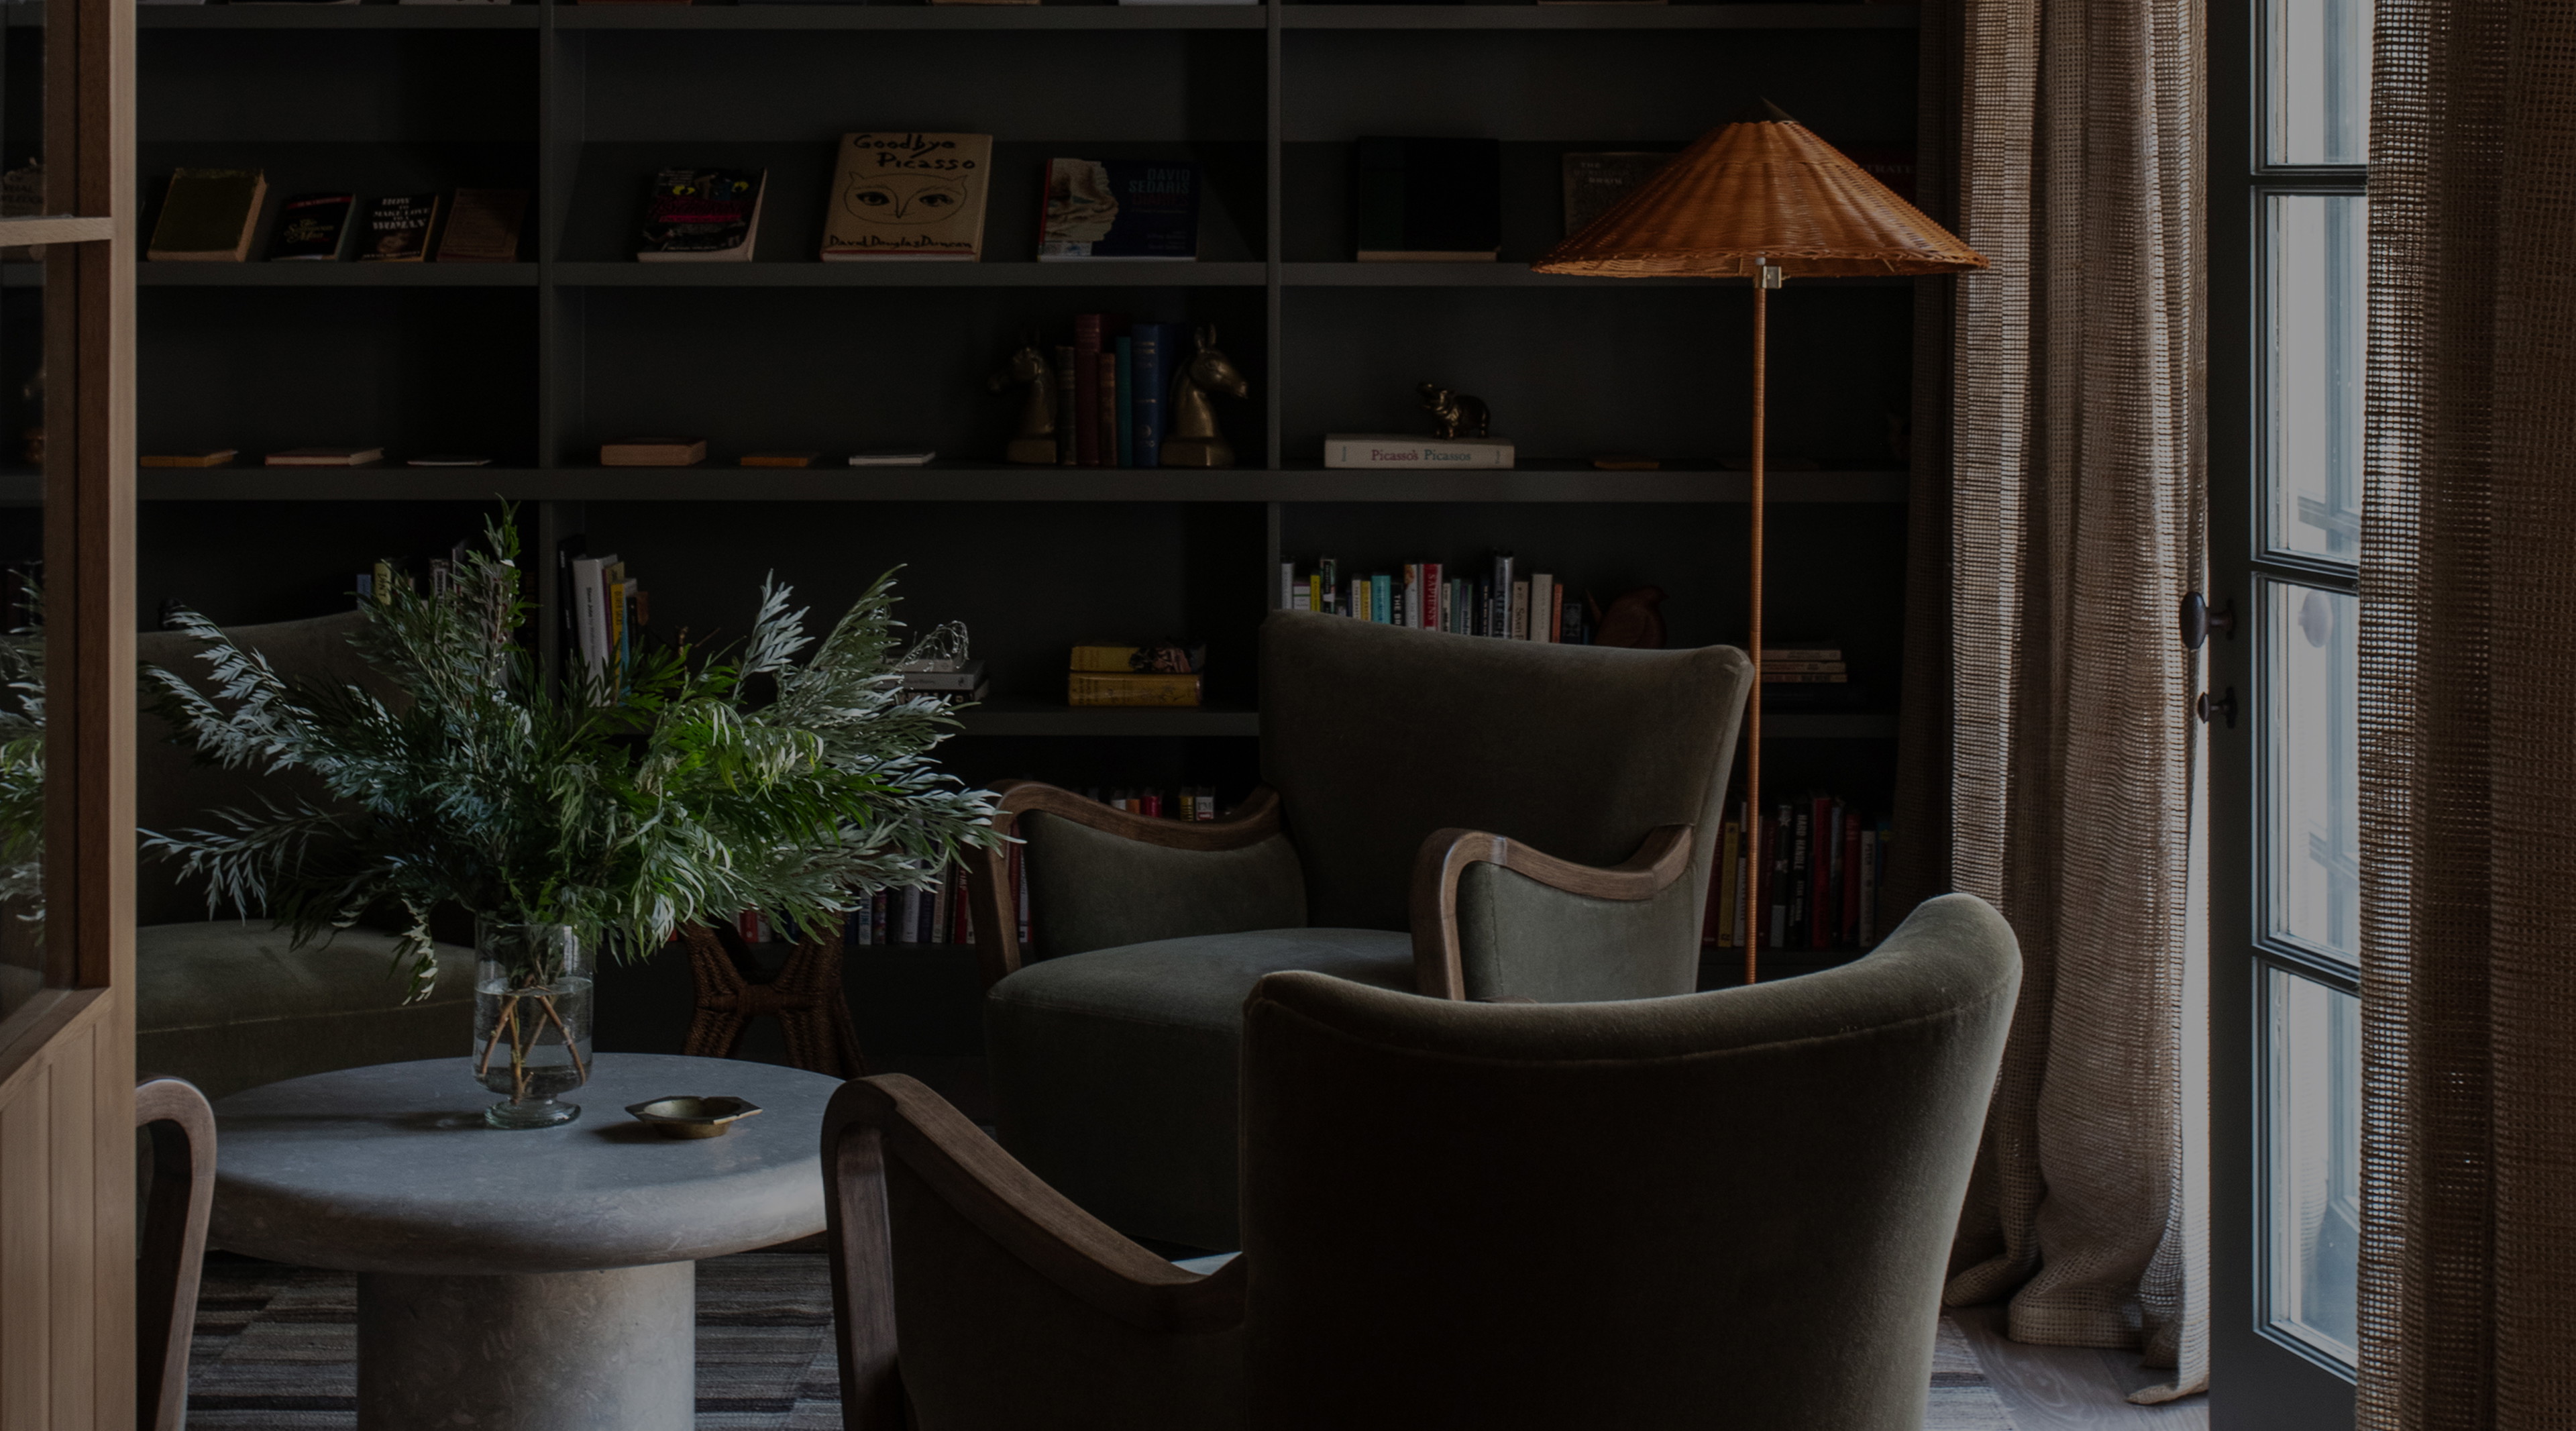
(1761, 198)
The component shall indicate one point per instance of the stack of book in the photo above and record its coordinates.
(1804, 664)
(1504, 601)
(959, 677)
(1114, 676)
(1112, 383)
(212, 215)
(1806, 878)
(605, 610)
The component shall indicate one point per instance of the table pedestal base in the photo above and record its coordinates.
(558, 1351)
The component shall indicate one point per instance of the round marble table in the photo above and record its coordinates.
(532, 1280)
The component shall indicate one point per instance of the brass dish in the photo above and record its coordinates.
(689, 1117)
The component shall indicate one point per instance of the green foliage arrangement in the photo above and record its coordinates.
(689, 785)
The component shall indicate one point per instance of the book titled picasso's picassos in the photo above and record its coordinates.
(1367, 450)
(903, 194)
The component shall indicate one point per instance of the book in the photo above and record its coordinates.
(1086, 389)
(326, 457)
(401, 228)
(211, 457)
(590, 612)
(905, 194)
(313, 228)
(1068, 406)
(1145, 400)
(1849, 873)
(653, 452)
(1343, 449)
(447, 459)
(208, 216)
(961, 676)
(892, 457)
(1103, 658)
(780, 459)
(1110, 400)
(702, 216)
(1124, 414)
(1428, 200)
(483, 226)
(1119, 208)
(1130, 688)
(1596, 182)
(1802, 678)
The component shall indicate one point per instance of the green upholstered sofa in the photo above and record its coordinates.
(225, 1002)
(1442, 814)
(1724, 1209)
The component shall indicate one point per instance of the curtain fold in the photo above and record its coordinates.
(2076, 525)
(2468, 750)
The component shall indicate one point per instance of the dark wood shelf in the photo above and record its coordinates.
(911, 17)
(963, 483)
(1054, 718)
(335, 17)
(898, 273)
(1510, 274)
(335, 275)
(1600, 17)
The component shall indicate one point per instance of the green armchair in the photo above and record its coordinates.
(228, 1003)
(1731, 1208)
(1445, 815)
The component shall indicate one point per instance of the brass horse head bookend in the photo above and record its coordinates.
(1034, 441)
(1193, 440)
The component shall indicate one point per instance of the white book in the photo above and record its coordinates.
(1344, 449)
(1520, 611)
(591, 624)
(1542, 605)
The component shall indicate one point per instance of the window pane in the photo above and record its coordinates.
(2312, 1172)
(2316, 251)
(2319, 65)
(2313, 779)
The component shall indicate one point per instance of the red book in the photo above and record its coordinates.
(1086, 390)
(1851, 880)
(1820, 873)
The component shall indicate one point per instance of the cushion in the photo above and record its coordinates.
(230, 1004)
(1115, 1069)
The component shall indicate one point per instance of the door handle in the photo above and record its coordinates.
(2223, 704)
(2198, 620)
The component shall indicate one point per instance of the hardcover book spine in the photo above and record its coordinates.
(1436, 590)
(1802, 838)
(1068, 391)
(1328, 571)
(1147, 394)
(1520, 610)
(1782, 832)
(1109, 402)
(1542, 625)
(1086, 419)
(1126, 406)
(1824, 904)
(1853, 878)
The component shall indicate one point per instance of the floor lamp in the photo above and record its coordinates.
(1761, 198)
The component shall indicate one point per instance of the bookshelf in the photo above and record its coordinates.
(538, 362)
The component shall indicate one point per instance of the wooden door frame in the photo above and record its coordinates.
(67, 1057)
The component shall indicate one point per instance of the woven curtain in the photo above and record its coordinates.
(2076, 518)
(2468, 742)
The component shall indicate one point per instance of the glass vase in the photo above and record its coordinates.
(531, 1020)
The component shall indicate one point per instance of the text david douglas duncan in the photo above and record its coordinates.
(1416, 454)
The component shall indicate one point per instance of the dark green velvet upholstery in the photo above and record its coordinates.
(225, 1002)
(1729, 1209)
(1732, 1208)
(1374, 736)
(1120, 1066)
(1100, 891)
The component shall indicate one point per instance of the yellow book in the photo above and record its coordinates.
(1103, 658)
(1087, 688)
(899, 194)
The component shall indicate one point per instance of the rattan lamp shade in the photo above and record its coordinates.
(1760, 188)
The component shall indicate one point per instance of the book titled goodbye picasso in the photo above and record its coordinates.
(904, 194)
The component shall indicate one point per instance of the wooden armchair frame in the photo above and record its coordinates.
(1438, 971)
(892, 1116)
(173, 1255)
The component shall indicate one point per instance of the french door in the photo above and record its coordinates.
(67, 709)
(2289, 217)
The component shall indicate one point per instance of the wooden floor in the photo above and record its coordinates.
(2071, 1388)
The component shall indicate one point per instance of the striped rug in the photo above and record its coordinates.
(276, 1350)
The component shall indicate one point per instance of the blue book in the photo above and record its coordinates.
(1153, 380)
(1127, 402)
